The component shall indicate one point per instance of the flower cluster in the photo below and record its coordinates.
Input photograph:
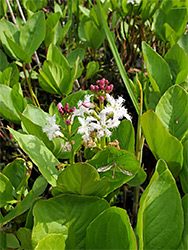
(52, 129)
(66, 112)
(96, 122)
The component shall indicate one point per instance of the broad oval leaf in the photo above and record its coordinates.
(82, 179)
(162, 144)
(123, 159)
(111, 230)
(55, 78)
(67, 214)
(177, 60)
(33, 32)
(39, 154)
(124, 133)
(160, 215)
(7, 109)
(51, 242)
(159, 76)
(169, 110)
(6, 190)
(184, 242)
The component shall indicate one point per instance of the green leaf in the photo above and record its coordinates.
(61, 32)
(3, 61)
(3, 245)
(138, 179)
(17, 98)
(33, 32)
(12, 241)
(39, 186)
(55, 78)
(6, 76)
(183, 43)
(7, 109)
(24, 236)
(41, 156)
(178, 62)
(124, 133)
(73, 55)
(66, 214)
(51, 27)
(19, 53)
(15, 171)
(160, 76)
(184, 242)
(82, 179)
(14, 78)
(92, 69)
(20, 208)
(111, 230)
(54, 54)
(51, 242)
(34, 5)
(160, 208)
(6, 190)
(169, 110)
(3, 8)
(184, 171)
(162, 144)
(122, 158)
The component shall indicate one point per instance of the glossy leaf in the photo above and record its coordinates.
(66, 214)
(160, 208)
(39, 154)
(3, 61)
(169, 110)
(162, 144)
(82, 179)
(177, 60)
(55, 78)
(111, 230)
(12, 241)
(183, 43)
(34, 5)
(17, 98)
(19, 53)
(184, 171)
(92, 69)
(39, 186)
(122, 158)
(33, 32)
(24, 236)
(124, 133)
(15, 172)
(73, 56)
(51, 27)
(7, 109)
(20, 208)
(160, 76)
(51, 242)
(6, 190)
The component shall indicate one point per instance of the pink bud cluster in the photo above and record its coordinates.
(102, 86)
(66, 112)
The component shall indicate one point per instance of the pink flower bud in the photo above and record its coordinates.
(92, 87)
(103, 81)
(86, 105)
(98, 81)
(97, 88)
(72, 109)
(68, 122)
(66, 106)
(102, 87)
(107, 82)
(59, 105)
(108, 89)
(111, 87)
(101, 98)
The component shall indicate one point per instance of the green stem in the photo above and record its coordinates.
(139, 148)
(33, 97)
(72, 160)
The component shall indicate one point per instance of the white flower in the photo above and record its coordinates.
(52, 128)
(116, 108)
(101, 126)
(84, 107)
(66, 147)
(85, 127)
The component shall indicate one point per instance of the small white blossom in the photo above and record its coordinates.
(101, 126)
(52, 128)
(66, 147)
(116, 108)
(85, 127)
(83, 107)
